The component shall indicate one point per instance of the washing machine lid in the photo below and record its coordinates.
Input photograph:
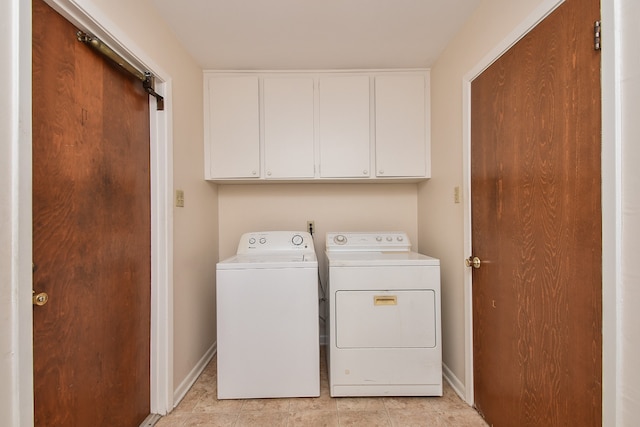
(280, 260)
(378, 259)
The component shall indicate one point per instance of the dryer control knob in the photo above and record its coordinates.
(263, 240)
(340, 239)
(297, 240)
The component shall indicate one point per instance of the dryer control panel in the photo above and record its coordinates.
(368, 241)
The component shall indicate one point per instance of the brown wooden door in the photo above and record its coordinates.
(91, 233)
(536, 226)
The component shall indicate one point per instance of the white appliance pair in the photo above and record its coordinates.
(383, 324)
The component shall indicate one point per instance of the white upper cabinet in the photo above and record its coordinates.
(401, 126)
(360, 125)
(344, 127)
(288, 127)
(232, 128)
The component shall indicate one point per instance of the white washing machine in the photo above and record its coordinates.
(383, 325)
(267, 316)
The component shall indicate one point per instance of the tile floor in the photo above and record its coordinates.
(201, 408)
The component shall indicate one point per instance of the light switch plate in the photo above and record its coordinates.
(179, 199)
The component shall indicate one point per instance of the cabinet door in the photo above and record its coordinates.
(288, 127)
(232, 127)
(344, 127)
(401, 126)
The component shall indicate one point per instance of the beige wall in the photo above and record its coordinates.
(440, 221)
(333, 207)
(194, 226)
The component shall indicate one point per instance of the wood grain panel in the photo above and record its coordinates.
(91, 226)
(536, 221)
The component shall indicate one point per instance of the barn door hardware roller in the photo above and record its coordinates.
(145, 77)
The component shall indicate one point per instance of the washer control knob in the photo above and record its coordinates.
(340, 239)
(400, 238)
(378, 239)
(263, 240)
(297, 240)
(389, 238)
(252, 240)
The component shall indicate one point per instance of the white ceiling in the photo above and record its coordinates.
(315, 34)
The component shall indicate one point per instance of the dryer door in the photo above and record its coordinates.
(385, 319)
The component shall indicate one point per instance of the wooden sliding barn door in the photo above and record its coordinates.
(91, 233)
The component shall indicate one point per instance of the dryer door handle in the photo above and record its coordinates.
(385, 300)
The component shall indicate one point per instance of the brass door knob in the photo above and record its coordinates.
(40, 298)
(473, 261)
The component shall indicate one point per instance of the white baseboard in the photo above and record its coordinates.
(454, 382)
(151, 420)
(185, 385)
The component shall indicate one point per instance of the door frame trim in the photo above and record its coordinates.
(91, 19)
(538, 14)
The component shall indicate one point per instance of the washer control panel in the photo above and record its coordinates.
(368, 241)
(275, 241)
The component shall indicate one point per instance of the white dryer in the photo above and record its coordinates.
(267, 317)
(383, 325)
